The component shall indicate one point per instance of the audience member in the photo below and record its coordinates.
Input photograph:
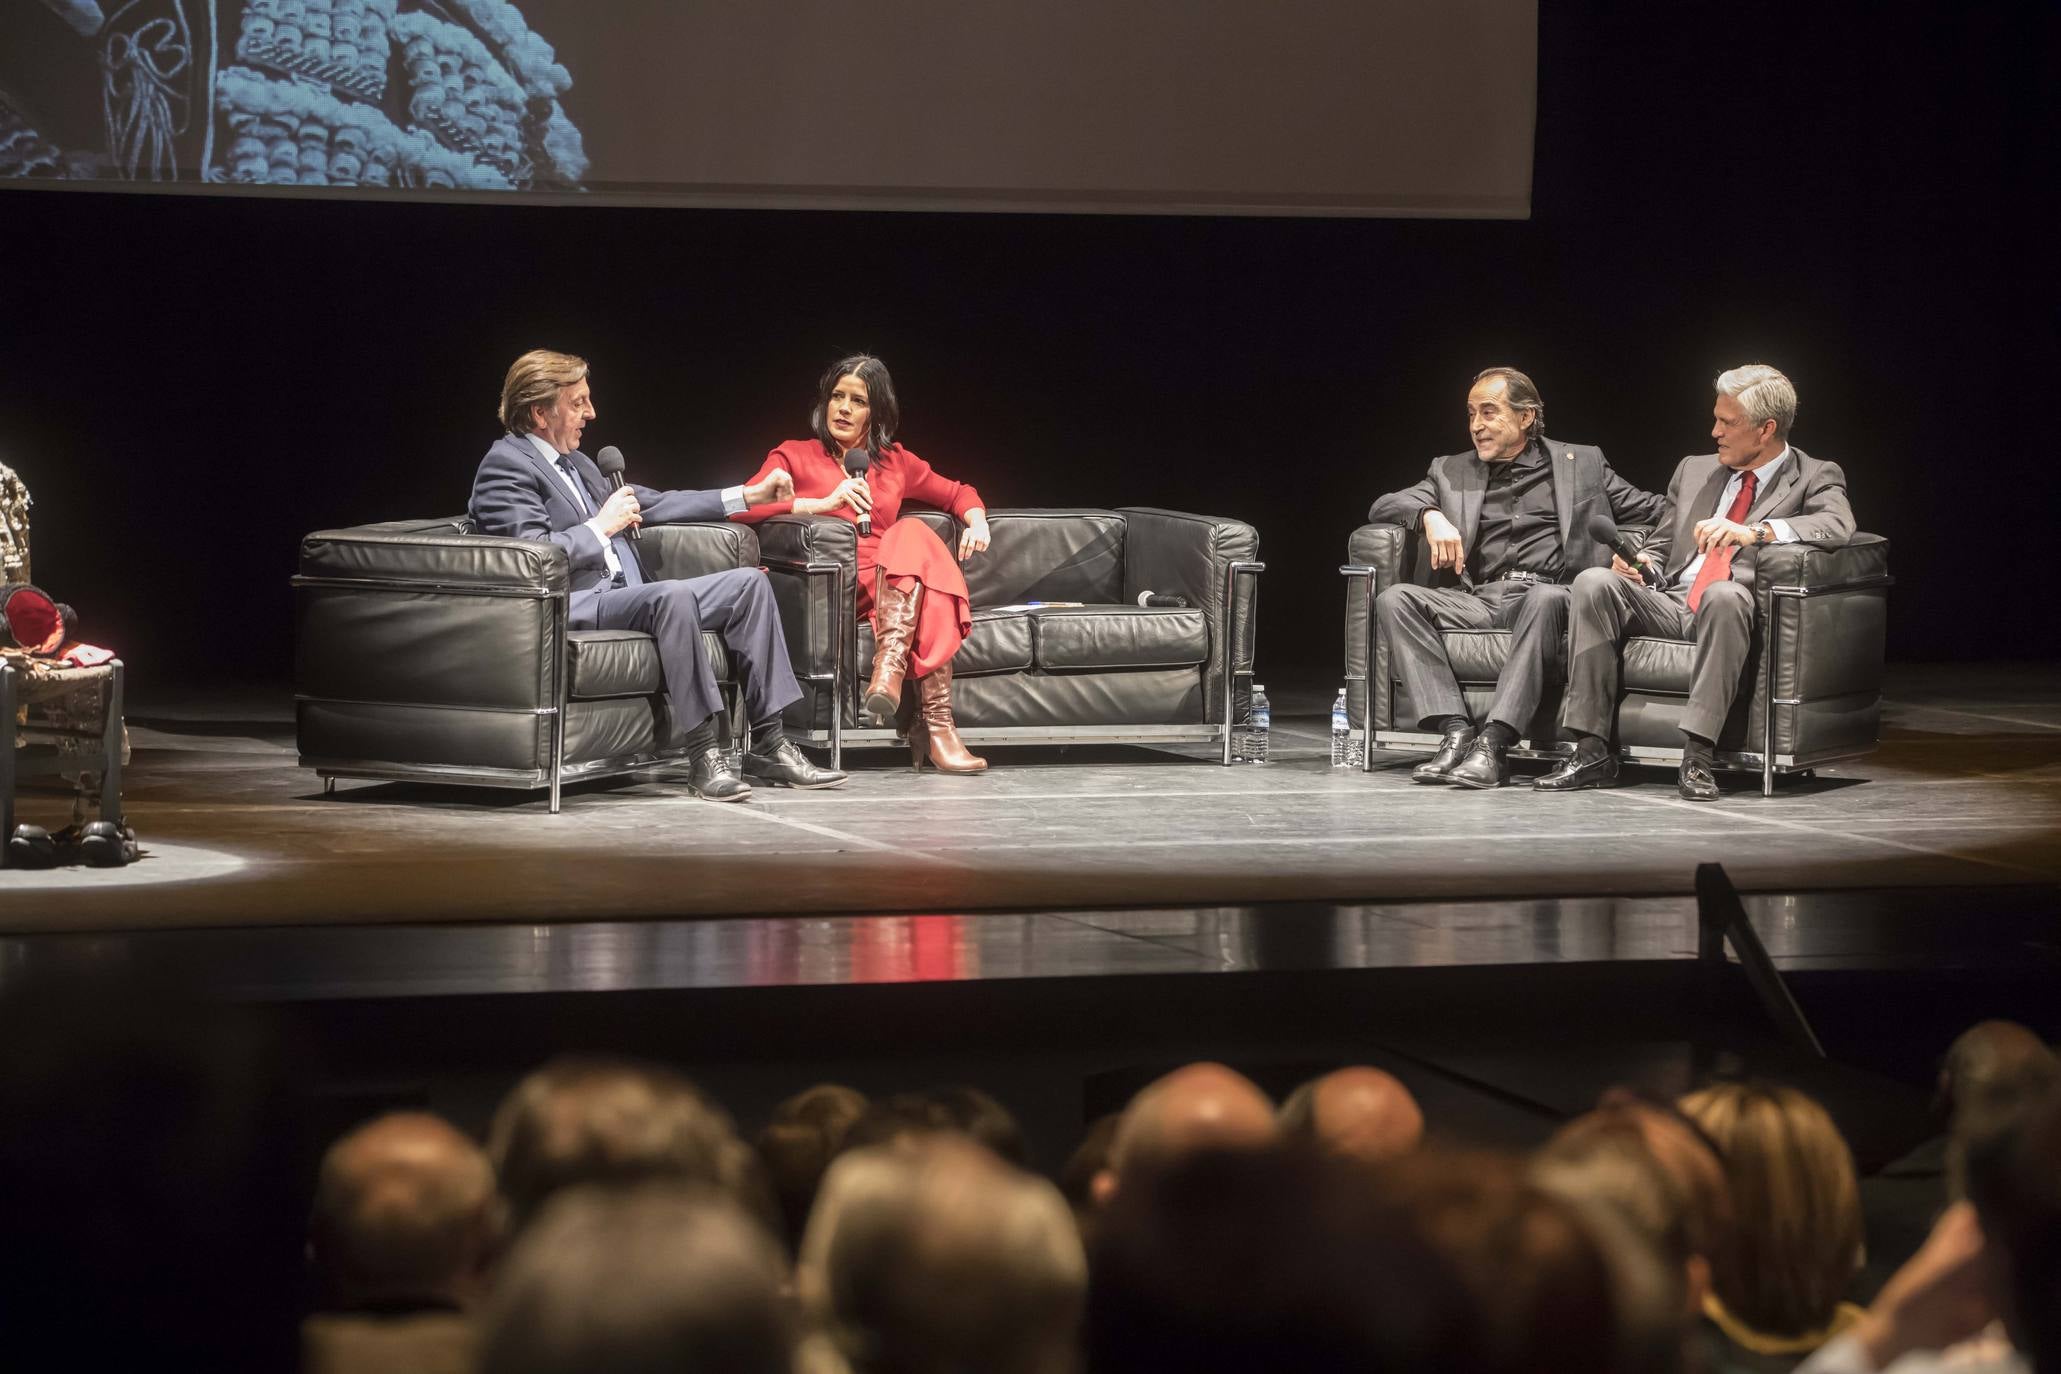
(1795, 1243)
(1983, 1295)
(404, 1230)
(596, 1120)
(931, 1256)
(803, 1135)
(1692, 1159)
(1201, 1106)
(1355, 1113)
(1268, 1259)
(650, 1278)
(965, 1110)
(1990, 1072)
(1640, 1215)
(1542, 1293)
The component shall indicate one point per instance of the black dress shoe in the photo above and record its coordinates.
(713, 779)
(790, 767)
(1439, 767)
(31, 846)
(1698, 779)
(1573, 775)
(1485, 766)
(103, 844)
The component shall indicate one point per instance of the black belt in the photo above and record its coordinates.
(1520, 575)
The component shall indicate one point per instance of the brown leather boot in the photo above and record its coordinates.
(894, 635)
(933, 735)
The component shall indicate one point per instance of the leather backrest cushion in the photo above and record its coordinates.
(1049, 555)
(679, 551)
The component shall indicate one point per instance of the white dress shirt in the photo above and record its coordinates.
(1989, 1354)
(1762, 475)
(733, 500)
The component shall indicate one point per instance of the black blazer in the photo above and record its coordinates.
(1584, 486)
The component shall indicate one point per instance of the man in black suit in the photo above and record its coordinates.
(1721, 508)
(1508, 525)
(534, 483)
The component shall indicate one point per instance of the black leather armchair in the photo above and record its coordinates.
(425, 652)
(1105, 671)
(1815, 674)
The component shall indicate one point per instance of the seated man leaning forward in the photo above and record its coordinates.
(535, 484)
(1721, 507)
(1509, 522)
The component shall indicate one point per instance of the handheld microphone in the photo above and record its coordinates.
(1605, 532)
(610, 461)
(856, 461)
(1150, 598)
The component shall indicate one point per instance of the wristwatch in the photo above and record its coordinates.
(1762, 533)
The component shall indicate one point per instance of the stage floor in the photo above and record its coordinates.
(1965, 792)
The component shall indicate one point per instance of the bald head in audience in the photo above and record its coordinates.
(405, 1212)
(1198, 1107)
(1355, 1113)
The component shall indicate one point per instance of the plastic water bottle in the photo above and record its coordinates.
(1341, 733)
(1257, 721)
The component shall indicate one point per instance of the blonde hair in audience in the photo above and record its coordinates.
(1796, 1206)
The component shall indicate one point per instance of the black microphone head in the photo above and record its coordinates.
(609, 460)
(857, 460)
(1602, 529)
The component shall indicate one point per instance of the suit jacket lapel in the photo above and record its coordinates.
(1471, 486)
(1776, 491)
(554, 481)
(1562, 476)
(1701, 509)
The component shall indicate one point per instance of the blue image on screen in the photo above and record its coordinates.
(374, 94)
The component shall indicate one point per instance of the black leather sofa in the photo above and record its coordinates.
(1814, 679)
(425, 652)
(1105, 671)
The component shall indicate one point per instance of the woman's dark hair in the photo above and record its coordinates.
(880, 394)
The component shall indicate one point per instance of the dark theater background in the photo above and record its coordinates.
(1859, 193)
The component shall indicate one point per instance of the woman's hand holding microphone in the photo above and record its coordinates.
(852, 491)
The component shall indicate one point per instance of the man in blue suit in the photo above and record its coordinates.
(534, 483)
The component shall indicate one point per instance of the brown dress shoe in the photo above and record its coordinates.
(933, 735)
(894, 638)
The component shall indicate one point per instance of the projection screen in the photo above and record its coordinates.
(1301, 107)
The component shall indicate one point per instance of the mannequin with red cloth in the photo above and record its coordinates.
(909, 583)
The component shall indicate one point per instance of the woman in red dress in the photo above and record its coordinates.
(909, 583)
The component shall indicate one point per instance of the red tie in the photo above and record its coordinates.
(1717, 564)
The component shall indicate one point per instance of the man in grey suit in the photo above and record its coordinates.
(1721, 508)
(534, 483)
(1508, 526)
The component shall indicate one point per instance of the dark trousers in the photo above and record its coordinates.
(1412, 618)
(1608, 610)
(736, 605)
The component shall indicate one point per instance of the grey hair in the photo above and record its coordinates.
(1521, 392)
(1763, 392)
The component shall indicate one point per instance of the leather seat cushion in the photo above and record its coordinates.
(1477, 655)
(624, 663)
(1076, 637)
(1659, 665)
(999, 643)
